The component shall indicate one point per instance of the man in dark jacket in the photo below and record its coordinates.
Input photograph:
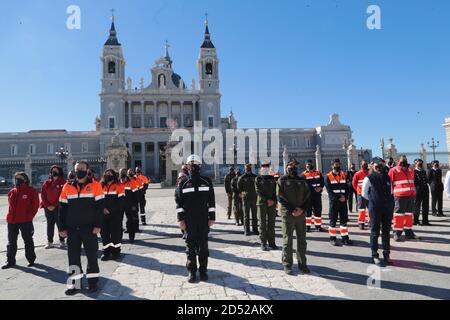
(377, 189)
(351, 191)
(196, 209)
(294, 195)
(266, 189)
(246, 187)
(422, 193)
(437, 189)
(81, 218)
(237, 200)
(229, 190)
(23, 204)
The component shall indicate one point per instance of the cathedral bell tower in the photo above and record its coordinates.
(208, 64)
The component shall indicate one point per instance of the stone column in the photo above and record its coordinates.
(27, 167)
(144, 158)
(130, 114)
(155, 114)
(156, 157)
(142, 114)
(182, 114)
(423, 155)
(169, 109)
(318, 158)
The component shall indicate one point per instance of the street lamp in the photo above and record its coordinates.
(102, 162)
(62, 154)
(433, 145)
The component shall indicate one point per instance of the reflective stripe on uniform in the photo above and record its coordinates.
(179, 210)
(92, 275)
(188, 190)
(203, 189)
(212, 210)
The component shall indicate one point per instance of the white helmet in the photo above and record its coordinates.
(195, 159)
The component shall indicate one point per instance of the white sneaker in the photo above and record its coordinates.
(49, 245)
(62, 245)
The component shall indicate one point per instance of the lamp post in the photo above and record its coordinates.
(102, 162)
(62, 154)
(433, 145)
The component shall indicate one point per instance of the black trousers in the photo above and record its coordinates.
(83, 236)
(196, 248)
(112, 233)
(315, 206)
(422, 203)
(142, 203)
(351, 196)
(132, 222)
(338, 210)
(380, 219)
(436, 201)
(52, 220)
(26, 229)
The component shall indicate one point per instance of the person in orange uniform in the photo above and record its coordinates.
(337, 188)
(80, 218)
(112, 220)
(143, 190)
(402, 178)
(130, 205)
(316, 184)
(357, 183)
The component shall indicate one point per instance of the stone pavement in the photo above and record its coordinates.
(153, 268)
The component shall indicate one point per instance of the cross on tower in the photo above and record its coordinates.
(206, 18)
(112, 14)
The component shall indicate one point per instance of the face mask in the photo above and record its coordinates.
(379, 168)
(337, 169)
(19, 181)
(265, 171)
(309, 167)
(55, 174)
(292, 171)
(123, 175)
(404, 163)
(108, 178)
(365, 166)
(194, 169)
(81, 174)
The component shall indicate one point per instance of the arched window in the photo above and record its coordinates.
(209, 68)
(111, 67)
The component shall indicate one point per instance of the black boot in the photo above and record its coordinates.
(8, 265)
(333, 242)
(288, 270)
(273, 246)
(346, 241)
(303, 268)
(247, 232)
(387, 260)
(255, 231)
(192, 277)
(264, 247)
(203, 277)
(361, 226)
(105, 257)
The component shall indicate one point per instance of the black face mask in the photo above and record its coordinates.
(194, 169)
(365, 167)
(81, 174)
(293, 171)
(20, 181)
(404, 164)
(108, 178)
(123, 175)
(55, 174)
(309, 167)
(337, 169)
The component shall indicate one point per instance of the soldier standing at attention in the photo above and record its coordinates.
(293, 194)
(237, 200)
(267, 203)
(246, 186)
(228, 178)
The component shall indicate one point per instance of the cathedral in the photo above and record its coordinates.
(136, 122)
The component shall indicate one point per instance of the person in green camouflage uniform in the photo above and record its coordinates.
(246, 186)
(293, 194)
(229, 190)
(266, 189)
(237, 200)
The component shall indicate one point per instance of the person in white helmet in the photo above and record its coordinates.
(196, 210)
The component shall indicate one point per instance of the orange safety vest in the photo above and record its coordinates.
(338, 183)
(115, 189)
(313, 175)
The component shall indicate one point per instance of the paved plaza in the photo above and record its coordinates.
(154, 267)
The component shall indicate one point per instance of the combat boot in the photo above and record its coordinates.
(192, 277)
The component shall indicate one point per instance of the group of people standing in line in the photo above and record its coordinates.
(390, 197)
(82, 208)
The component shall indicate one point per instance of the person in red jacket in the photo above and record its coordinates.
(50, 192)
(23, 202)
(357, 183)
(402, 178)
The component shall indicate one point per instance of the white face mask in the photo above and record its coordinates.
(265, 171)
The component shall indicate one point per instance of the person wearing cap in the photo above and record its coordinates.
(293, 194)
(246, 187)
(337, 188)
(266, 190)
(196, 210)
(228, 189)
(316, 184)
(377, 190)
(422, 193)
(237, 200)
(437, 189)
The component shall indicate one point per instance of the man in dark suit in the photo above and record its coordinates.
(437, 189)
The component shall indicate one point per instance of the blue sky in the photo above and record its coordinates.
(287, 63)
